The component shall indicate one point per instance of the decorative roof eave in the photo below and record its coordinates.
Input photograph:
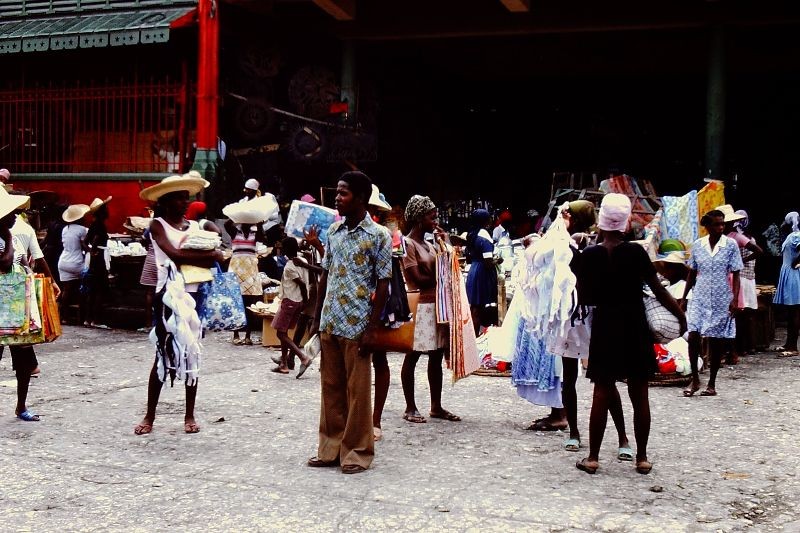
(92, 30)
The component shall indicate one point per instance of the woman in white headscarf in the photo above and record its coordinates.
(621, 347)
(788, 290)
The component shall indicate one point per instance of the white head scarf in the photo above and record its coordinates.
(615, 211)
(793, 219)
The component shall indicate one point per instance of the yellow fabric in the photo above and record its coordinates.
(196, 274)
(708, 198)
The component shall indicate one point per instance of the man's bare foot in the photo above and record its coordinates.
(144, 427)
(190, 426)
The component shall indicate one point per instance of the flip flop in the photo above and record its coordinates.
(709, 392)
(143, 428)
(28, 416)
(572, 445)
(303, 368)
(414, 418)
(276, 360)
(446, 415)
(625, 454)
(544, 424)
(590, 467)
(237, 342)
(100, 326)
(789, 353)
(247, 342)
(687, 393)
(644, 467)
(279, 370)
(191, 427)
(143, 330)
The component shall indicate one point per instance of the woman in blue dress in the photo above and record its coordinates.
(788, 290)
(710, 312)
(482, 277)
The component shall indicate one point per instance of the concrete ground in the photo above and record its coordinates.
(727, 463)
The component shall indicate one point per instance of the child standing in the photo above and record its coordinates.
(293, 293)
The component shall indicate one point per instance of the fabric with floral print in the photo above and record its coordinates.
(708, 310)
(355, 260)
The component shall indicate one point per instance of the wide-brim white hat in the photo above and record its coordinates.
(97, 203)
(375, 199)
(191, 182)
(679, 258)
(253, 211)
(12, 202)
(730, 214)
(75, 212)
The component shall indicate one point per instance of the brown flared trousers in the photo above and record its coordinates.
(345, 417)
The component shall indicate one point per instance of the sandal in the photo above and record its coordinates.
(237, 341)
(247, 341)
(279, 370)
(353, 469)
(545, 424)
(590, 467)
(446, 415)
(143, 330)
(143, 428)
(191, 427)
(644, 466)
(303, 368)
(709, 392)
(625, 454)
(100, 326)
(689, 392)
(572, 445)
(414, 417)
(789, 353)
(28, 416)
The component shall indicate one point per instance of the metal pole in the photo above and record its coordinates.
(715, 105)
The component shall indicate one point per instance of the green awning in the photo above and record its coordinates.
(39, 33)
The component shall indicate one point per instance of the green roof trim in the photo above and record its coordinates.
(112, 27)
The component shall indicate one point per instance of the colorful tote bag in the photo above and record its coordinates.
(13, 288)
(221, 303)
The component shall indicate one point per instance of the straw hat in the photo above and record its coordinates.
(11, 202)
(191, 181)
(676, 257)
(378, 200)
(97, 203)
(730, 214)
(75, 212)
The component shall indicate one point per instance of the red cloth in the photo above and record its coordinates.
(195, 210)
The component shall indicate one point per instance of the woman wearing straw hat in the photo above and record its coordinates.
(11, 251)
(97, 277)
(167, 232)
(71, 262)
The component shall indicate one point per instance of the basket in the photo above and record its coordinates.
(670, 380)
(492, 372)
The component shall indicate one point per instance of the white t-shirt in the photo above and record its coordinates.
(289, 288)
(26, 244)
(71, 262)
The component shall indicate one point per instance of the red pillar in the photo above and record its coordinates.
(207, 76)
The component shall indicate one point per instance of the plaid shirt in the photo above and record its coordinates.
(355, 260)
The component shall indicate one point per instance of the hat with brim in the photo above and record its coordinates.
(12, 202)
(376, 200)
(730, 214)
(191, 182)
(97, 203)
(75, 212)
(677, 257)
(459, 240)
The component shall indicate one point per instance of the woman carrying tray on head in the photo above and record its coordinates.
(167, 233)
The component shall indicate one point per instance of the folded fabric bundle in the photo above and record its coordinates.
(202, 240)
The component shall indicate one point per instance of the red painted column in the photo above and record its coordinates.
(207, 75)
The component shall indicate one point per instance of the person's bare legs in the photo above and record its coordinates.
(615, 409)
(569, 395)
(638, 390)
(153, 392)
(189, 423)
(148, 309)
(717, 347)
(475, 311)
(294, 349)
(792, 327)
(695, 345)
(382, 380)
(601, 400)
(435, 379)
(411, 413)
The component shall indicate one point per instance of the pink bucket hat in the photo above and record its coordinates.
(308, 198)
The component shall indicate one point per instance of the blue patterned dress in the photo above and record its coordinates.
(708, 310)
(788, 290)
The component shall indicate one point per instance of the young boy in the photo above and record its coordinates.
(293, 293)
